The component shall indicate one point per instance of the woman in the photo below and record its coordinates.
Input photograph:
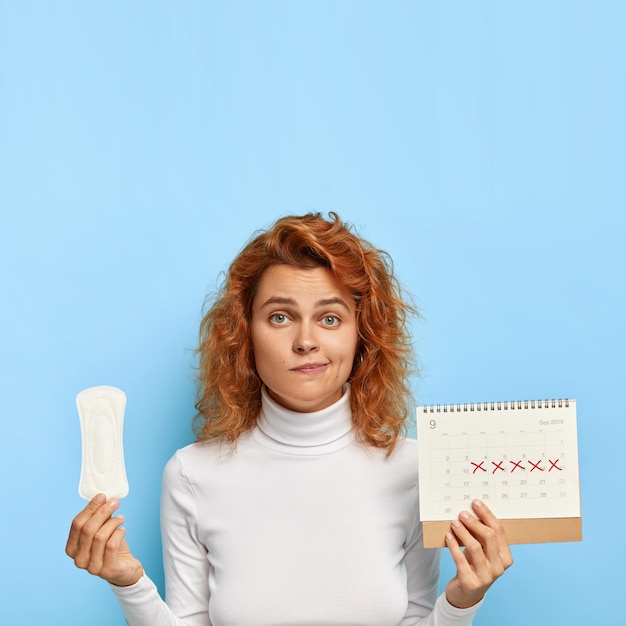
(298, 502)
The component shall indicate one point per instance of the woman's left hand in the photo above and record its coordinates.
(485, 557)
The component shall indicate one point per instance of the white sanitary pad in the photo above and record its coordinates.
(101, 413)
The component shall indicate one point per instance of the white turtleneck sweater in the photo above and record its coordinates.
(298, 524)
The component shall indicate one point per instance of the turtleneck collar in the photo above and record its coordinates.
(319, 432)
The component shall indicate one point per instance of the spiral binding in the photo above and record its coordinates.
(496, 406)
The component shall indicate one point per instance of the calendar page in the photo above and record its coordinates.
(521, 458)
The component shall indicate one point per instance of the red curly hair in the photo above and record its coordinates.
(229, 390)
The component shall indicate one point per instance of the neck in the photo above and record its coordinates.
(319, 432)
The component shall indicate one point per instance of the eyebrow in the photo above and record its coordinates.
(319, 303)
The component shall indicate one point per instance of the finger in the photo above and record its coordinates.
(104, 544)
(483, 551)
(116, 545)
(470, 583)
(84, 528)
(99, 517)
(79, 521)
(463, 567)
(469, 532)
(481, 531)
(485, 514)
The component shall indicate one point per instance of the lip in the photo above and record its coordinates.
(310, 369)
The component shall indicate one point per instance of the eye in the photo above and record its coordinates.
(278, 318)
(330, 320)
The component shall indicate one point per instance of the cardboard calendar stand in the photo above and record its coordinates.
(521, 458)
(543, 530)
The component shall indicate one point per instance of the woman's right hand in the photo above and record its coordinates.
(96, 543)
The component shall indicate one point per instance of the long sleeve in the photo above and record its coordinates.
(185, 562)
(425, 608)
(143, 606)
(184, 556)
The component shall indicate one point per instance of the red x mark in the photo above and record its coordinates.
(497, 466)
(535, 466)
(478, 466)
(516, 465)
(553, 465)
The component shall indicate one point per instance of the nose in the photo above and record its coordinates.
(305, 340)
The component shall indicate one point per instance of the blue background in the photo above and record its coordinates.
(480, 143)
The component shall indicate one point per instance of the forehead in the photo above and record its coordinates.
(301, 285)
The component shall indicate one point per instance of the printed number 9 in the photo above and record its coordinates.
(433, 424)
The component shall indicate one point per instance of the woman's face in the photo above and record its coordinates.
(304, 336)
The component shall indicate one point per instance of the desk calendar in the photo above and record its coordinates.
(521, 458)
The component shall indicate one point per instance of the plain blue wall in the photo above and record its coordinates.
(480, 143)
